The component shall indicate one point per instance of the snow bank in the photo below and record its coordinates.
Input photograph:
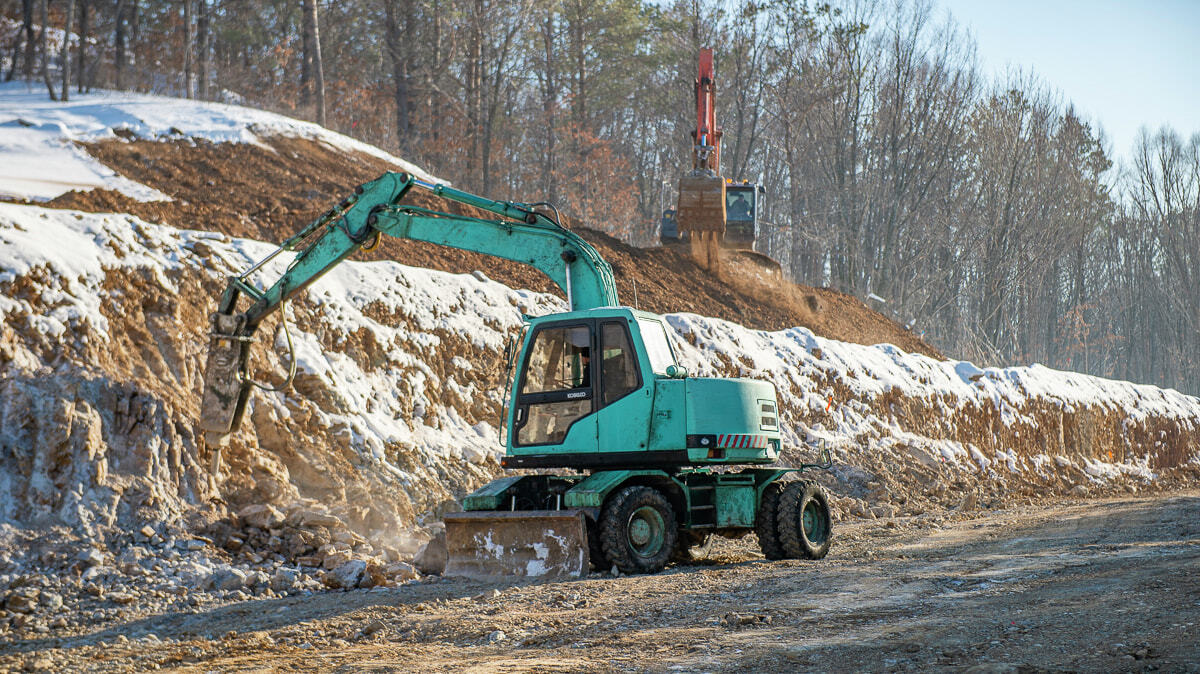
(879, 401)
(42, 160)
(395, 395)
(797, 360)
(103, 332)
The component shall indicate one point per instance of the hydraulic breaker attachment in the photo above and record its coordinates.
(225, 386)
(523, 543)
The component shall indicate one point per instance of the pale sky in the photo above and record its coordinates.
(1123, 64)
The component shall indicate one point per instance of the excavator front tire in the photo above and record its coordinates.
(803, 520)
(638, 530)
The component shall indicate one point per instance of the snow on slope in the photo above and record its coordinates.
(398, 378)
(41, 159)
(74, 282)
(800, 364)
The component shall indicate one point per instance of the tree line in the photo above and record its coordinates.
(985, 214)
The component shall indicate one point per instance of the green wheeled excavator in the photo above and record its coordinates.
(644, 460)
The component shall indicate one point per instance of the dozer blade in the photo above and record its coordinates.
(754, 257)
(224, 391)
(530, 543)
(701, 203)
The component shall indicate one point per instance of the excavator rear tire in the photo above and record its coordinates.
(805, 526)
(638, 530)
(596, 558)
(764, 522)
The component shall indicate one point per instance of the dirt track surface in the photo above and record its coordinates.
(269, 190)
(1087, 586)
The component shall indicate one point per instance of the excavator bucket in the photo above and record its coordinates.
(701, 203)
(224, 391)
(529, 543)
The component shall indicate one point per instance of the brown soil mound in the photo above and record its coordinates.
(268, 191)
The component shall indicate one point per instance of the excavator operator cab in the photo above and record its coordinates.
(602, 387)
(742, 206)
(575, 367)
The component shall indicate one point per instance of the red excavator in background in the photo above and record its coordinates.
(713, 211)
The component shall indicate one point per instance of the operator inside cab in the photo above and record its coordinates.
(738, 206)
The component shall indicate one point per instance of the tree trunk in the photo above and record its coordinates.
(204, 37)
(550, 94)
(313, 44)
(189, 50)
(27, 29)
(119, 44)
(135, 37)
(66, 51)
(306, 47)
(81, 66)
(46, 52)
(396, 37)
(16, 54)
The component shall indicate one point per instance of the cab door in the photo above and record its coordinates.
(556, 392)
(624, 399)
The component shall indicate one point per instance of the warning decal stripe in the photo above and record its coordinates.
(742, 441)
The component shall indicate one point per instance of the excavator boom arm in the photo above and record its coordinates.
(520, 233)
(706, 150)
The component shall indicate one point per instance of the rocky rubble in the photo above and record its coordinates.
(59, 584)
(306, 535)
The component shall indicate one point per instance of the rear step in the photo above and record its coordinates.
(489, 544)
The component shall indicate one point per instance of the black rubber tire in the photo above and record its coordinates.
(764, 522)
(596, 558)
(799, 541)
(615, 530)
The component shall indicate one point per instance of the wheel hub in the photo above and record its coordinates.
(646, 531)
(813, 523)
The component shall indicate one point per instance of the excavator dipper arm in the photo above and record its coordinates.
(520, 233)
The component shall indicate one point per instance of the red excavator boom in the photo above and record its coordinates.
(706, 152)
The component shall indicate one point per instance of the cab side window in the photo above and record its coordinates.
(556, 387)
(560, 360)
(618, 367)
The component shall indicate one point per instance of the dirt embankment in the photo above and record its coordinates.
(268, 191)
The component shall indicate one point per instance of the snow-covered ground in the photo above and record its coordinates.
(38, 136)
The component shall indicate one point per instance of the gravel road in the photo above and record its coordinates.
(1110, 585)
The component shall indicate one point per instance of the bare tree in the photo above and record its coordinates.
(119, 36)
(399, 49)
(26, 32)
(46, 51)
(84, 6)
(204, 46)
(66, 51)
(312, 45)
(189, 49)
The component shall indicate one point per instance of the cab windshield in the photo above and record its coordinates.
(658, 347)
(739, 204)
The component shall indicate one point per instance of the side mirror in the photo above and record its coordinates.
(677, 372)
